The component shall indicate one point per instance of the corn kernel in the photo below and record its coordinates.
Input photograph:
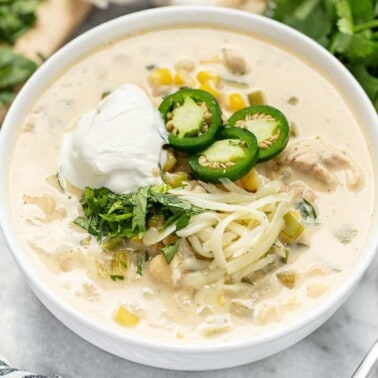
(183, 78)
(180, 335)
(256, 97)
(125, 317)
(251, 181)
(220, 299)
(207, 87)
(236, 102)
(178, 79)
(160, 77)
(174, 180)
(205, 76)
(170, 162)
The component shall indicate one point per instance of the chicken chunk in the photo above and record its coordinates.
(234, 63)
(242, 307)
(319, 161)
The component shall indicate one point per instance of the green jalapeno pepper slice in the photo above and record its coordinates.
(192, 118)
(231, 156)
(269, 126)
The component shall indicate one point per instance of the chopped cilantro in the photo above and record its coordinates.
(307, 211)
(115, 278)
(293, 100)
(150, 67)
(141, 258)
(108, 215)
(170, 251)
(105, 94)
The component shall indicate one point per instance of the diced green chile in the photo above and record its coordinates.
(269, 126)
(231, 156)
(192, 130)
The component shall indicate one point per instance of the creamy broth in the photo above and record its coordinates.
(56, 248)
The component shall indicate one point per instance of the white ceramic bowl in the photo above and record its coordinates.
(153, 352)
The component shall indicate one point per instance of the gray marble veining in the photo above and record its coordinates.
(31, 338)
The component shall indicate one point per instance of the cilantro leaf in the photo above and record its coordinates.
(170, 251)
(140, 210)
(174, 202)
(345, 22)
(14, 69)
(115, 277)
(352, 46)
(17, 17)
(308, 16)
(183, 221)
(367, 80)
(362, 10)
(141, 258)
(348, 28)
(6, 97)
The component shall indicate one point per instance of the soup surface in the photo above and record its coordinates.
(69, 260)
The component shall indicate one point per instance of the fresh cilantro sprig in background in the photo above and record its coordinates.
(347, 28)
(16, 18)
(14, 70)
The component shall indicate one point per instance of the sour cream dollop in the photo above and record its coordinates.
(118, 145)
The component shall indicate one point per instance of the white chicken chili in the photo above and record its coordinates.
(189, 184)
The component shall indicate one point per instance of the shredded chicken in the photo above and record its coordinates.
(47, 205)
(319, 161)
(242, 307)
(234, 63)
(184, 299)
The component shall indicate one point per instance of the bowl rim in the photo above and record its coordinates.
(72, 52)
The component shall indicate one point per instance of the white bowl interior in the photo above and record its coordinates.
(155, 353)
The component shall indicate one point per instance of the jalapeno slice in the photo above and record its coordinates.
(232, 156)
(192, 118)
(269, 126)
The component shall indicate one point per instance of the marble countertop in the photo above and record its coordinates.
(33, 339)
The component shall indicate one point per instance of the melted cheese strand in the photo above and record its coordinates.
(198, 223)
(198, 247)
(253, 267)
(264, 243)
(233, 188)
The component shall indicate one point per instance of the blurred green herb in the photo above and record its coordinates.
(14, 69)
(16, 18)
(347, 28)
